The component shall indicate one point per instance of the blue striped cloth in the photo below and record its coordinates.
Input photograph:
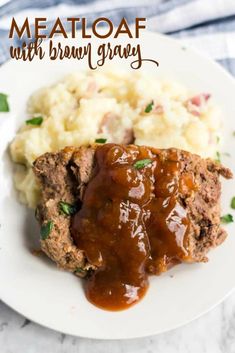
(208, 25)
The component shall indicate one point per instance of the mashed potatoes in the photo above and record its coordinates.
(118, 106)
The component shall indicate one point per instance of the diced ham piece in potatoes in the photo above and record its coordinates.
(158, 109)
(107, 124)
(195, 104)
(107, 121)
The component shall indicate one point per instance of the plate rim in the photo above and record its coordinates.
(102, 337)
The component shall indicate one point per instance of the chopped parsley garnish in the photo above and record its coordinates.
(226, 154)
(36, 213)
(4, 106)
(142, 163)
(85, 273)
(233, 133)
(67, 208)
(217, 139)
(149, 107)
(233, 203)
(100, 140)
(46, 230)
(35, 121)
(218, 157)
(80, 270)
(228, 218)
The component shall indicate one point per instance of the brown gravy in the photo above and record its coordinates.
(132, 222)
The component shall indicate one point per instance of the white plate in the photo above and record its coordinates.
(38, 290)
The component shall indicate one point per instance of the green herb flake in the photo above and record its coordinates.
(233, 203)
(85, 273)
(35, 121)
(36, 213)
(4, 106)
(233, 133)
(228, 218)
(149, 107)
(100, 140)
(80, 270)
(67, 208)
(226, 154)
(217, 139)
(142, 163)
(46, 230)
(218, 157)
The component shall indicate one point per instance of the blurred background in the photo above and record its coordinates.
(207, 25)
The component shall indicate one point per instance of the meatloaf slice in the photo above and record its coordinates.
(202, 205)
(63, 176)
